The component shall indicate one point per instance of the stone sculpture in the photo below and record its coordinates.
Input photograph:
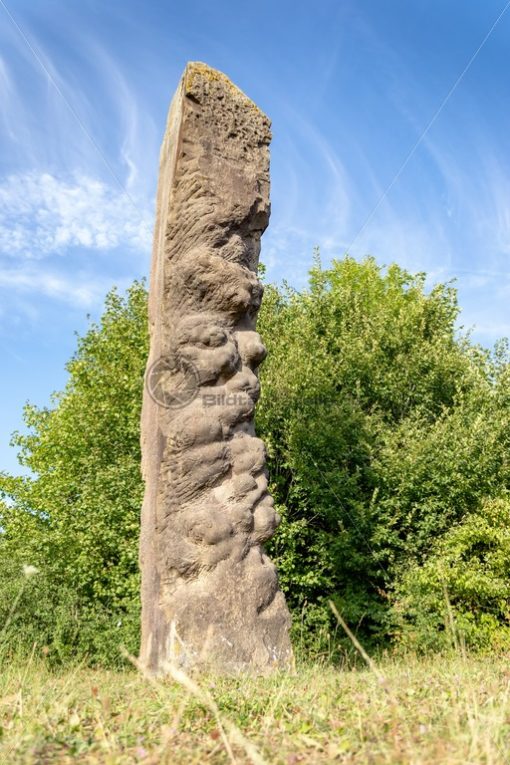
(210, 594)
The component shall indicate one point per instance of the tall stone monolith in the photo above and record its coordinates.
(210, 594)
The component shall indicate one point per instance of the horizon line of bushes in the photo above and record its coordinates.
(388, 439)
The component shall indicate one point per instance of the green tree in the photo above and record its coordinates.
(76, 518)
(384, 425)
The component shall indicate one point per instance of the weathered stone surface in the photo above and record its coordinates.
(210, 594)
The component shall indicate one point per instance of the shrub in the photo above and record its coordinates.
(76, 518)
(384, 425)
(461, 592)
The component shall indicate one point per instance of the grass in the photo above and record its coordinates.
(433, 711)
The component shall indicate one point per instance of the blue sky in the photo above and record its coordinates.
(350, 86)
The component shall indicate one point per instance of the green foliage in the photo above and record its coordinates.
(76, 519)
(461, 592)
(383, 426)
(388, 434)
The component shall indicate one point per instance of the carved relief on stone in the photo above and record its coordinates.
(207, 512)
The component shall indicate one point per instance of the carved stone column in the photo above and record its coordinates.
(210, 594)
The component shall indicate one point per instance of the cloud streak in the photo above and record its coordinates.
(42, 215)
(81, 290)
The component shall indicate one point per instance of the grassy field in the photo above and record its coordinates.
(433, 711)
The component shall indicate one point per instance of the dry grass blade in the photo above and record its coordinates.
(183, 679)
(354, 640)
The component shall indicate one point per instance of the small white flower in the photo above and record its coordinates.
(29, 570)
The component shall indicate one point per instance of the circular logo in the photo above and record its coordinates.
(172, 382)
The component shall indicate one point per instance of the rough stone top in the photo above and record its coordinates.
(198, 75)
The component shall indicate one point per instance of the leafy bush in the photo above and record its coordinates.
(77, 519)
(384, 426)
(461, 592)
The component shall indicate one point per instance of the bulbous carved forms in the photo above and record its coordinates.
(210, 594)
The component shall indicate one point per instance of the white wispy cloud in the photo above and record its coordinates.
(5, 96)
(139, 136)
(313, 198)
(42, 215)
(80, 289)
(416, 241)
